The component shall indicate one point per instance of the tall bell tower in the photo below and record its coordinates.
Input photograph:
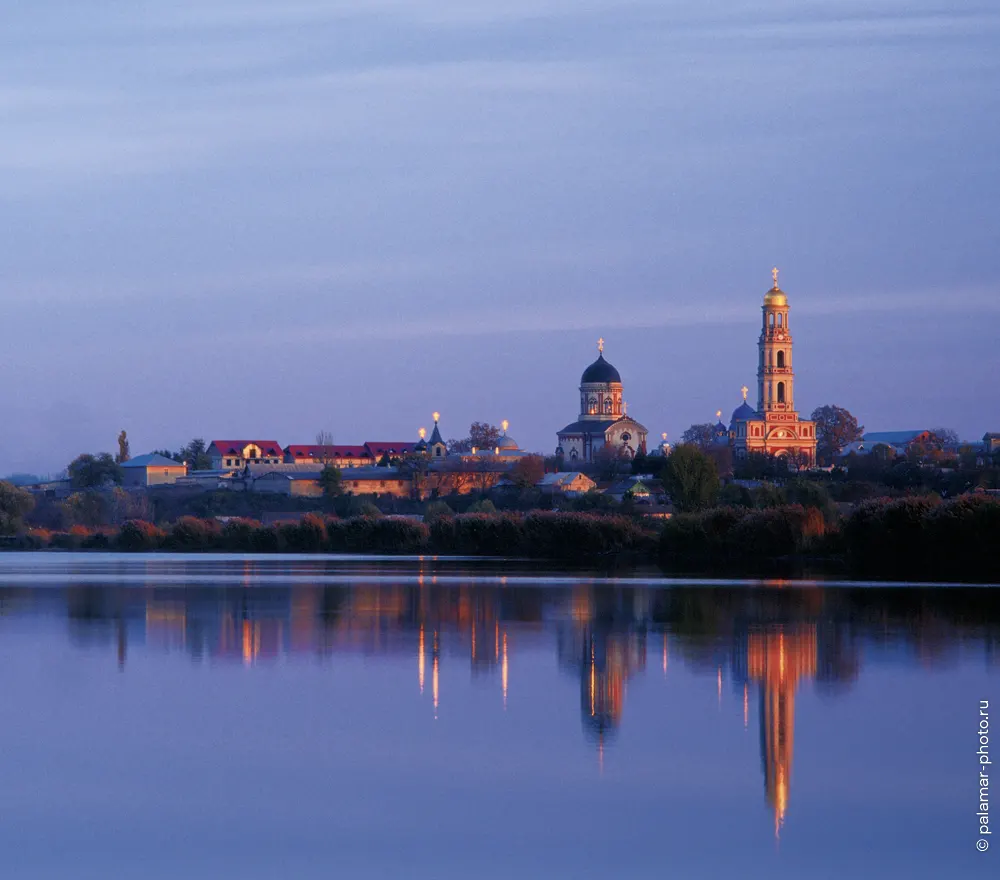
(774, 428)
(775, 377)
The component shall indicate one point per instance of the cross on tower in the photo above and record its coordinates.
(745, 391)
(774, 275)
(600, 345)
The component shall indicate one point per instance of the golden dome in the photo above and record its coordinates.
(775, 296)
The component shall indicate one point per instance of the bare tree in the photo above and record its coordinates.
(324, 440)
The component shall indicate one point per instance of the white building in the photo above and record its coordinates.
(603, 423)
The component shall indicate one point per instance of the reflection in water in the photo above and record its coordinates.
(776, 660)
(773, 641)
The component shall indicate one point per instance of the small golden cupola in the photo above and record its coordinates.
(775, 296)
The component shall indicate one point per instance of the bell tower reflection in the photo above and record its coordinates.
(777, 659)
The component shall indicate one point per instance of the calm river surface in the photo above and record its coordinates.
(210, 716)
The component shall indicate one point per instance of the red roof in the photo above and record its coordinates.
(393, 448)
(332, 451)
(236, 447)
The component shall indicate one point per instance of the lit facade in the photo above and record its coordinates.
(774, 427)
(232, 454)
(603, 426)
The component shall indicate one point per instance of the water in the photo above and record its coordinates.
(185, 717)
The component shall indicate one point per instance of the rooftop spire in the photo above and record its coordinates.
(745, 391)
(600, 345)
(436, 433)
(774, 275)
(718, 413)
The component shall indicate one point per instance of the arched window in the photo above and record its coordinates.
(607, 406)
(593, 405)
(779, 319)
(781, 392)
(781, 360)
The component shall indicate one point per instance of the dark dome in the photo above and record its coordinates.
(600, 371)
(744, 412)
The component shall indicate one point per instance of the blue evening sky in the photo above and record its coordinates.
(247, 219)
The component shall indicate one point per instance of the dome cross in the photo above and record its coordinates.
(745, 391)
(600, 345)
(774, 275)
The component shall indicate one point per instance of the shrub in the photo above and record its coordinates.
(886, 535)
(683, 536)
(96, 539)
(397, 535)
(369, 509)
(482, 506)
(554, 535)
(735, 495)
(961, 538)
(64, 541)
(238, 534)
(436, 510)
(191, 533)
(137, 534)
(775, 532)
(479, 534)
(267, 539)
(308, 535)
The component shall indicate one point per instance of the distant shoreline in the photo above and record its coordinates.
(912, 539)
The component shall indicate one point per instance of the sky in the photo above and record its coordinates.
(236, 219)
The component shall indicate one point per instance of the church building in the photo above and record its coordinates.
(774, 427)
(603, 422)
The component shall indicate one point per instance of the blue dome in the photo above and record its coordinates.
(744, 412)
(600, 371)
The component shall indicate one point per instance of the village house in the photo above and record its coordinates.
(233, 454)
(642, 488)
(565, 483)
(303, 481)
(391, 449)
(152, 470)
(337, 455)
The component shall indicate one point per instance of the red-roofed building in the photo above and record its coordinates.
(232, 454)
(336, 454)
(392, 449)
